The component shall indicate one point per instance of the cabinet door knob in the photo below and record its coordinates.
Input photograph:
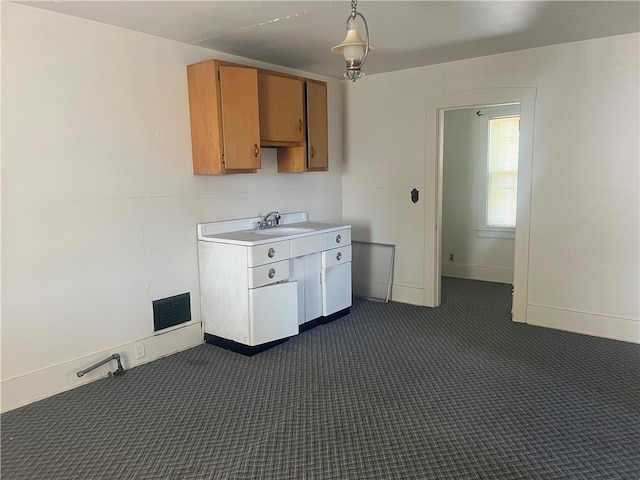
(271, 253)
(299, 124)
(339, 256)
(313, 151)
(257, 152)
(338, 238)
(272, 272)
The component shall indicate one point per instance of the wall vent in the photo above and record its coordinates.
(171, 311)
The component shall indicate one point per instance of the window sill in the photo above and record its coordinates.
(496, 232)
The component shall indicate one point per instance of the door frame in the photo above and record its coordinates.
(435, 109)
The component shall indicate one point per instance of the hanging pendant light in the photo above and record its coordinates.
(353, 47)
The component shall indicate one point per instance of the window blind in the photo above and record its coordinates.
(502, 171)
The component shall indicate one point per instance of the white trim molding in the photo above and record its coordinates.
(478, 272)
(34, 386)
(407, 294)
(615, 328)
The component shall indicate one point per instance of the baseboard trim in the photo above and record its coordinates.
(477, 272)
(378, 290)
(32, 387)
(370, 289)
(615, 328)
(406, 294)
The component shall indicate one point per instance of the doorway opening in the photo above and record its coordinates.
(478, 99)
(479, 192)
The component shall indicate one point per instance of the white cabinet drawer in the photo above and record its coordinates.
(337, 256)
(266, 274)
(306, 245)
(268, 253)
(337, 239)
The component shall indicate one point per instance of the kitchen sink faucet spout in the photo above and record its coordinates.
(266, 223)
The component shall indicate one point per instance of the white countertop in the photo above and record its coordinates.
(243, 231)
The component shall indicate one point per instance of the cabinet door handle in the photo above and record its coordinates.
(257, 151)
(271, 253)
(313, 151)
(272, 272)
(338, 238)
(338, 256)
(300, 124)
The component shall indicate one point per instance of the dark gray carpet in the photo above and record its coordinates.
(391, 391)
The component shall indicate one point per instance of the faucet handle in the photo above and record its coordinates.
(266, 222)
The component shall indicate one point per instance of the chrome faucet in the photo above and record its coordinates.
(266, 223)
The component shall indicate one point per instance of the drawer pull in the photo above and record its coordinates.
(338, 238)
(271, 253)
(339, 256)
(272, 272)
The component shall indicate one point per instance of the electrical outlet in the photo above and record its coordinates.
(451, 257)
(140, 350)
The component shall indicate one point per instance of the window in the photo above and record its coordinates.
(499, 138)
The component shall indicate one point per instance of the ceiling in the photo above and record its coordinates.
(299, 34)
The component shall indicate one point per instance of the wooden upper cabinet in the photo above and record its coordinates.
(225, 119)
(313, 156)
(235, 110)
(282, 120)
(317, 135)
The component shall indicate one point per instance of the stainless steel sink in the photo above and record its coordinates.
(282, 231)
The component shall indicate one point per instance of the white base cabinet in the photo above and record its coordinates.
(240, 300)
(256, 292)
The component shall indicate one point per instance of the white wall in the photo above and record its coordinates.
(583, 257)
(99, 204)
(475, 257)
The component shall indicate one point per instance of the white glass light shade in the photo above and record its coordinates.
(353, 54)
(352, 47)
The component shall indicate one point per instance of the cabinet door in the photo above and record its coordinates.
(317, 135)
(240, 117)
(305, 271)
(281, 110)
(273, 313)
(336, 288)
(312, 287)
(204, 115)
(314, 155)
